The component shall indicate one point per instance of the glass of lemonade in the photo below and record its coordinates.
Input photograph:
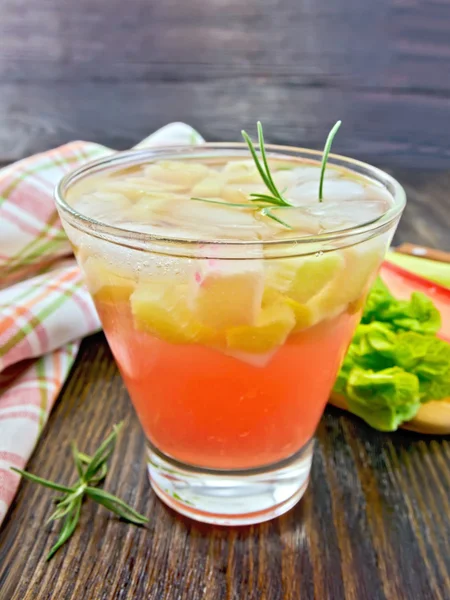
(227, 326)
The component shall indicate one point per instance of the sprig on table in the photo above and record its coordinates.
(266, 203)
(91, 470)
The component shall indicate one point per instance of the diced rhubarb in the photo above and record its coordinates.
(361, 264)
(303, 278)
(226, 293)
(271, 329)
(106, 283)
(304, 315)
(160, 309)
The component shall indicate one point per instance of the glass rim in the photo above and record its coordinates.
(142, 241)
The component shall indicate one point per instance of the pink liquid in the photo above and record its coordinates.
(208, 409)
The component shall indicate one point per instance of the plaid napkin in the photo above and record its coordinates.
(44, 307)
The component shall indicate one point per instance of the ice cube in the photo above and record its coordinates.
(102, 206)
(118, 257)
(298, 176)
(136, 264)
(134, 187)
(178, 172)
(299, 220)
(216, 221)
(240, 192)
(149, 206)
(350, 213)
(104, 282)
(241, 172)
(211, 187)
(334, 190)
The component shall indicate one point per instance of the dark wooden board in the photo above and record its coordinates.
(372, 526)
(112, 73)
(374, 523)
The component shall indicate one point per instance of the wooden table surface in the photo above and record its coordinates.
(375, 521)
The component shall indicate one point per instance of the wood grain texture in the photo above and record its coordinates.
(101, 71)
(373, 525)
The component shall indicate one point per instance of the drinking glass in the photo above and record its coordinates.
(229, 408)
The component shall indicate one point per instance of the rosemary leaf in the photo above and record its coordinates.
(85, 458)
(326, 152)
(224, 203)
(60, 512)
(68, 528)
(265, 173)
(103, 452)
(68, 506)
(262, 149)
(267, 212)
(69, 498)
(101, 474)
(251, 147)
(45, 482)
(266, 198)
(78, 461)
(116, 505)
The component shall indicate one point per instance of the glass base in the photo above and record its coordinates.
(231, 497)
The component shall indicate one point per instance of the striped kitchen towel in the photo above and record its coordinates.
(44, 306)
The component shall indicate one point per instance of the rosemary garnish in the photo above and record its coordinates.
(326, 152)
(222, 202)
(266, 212)
(91, 472)
(266, 203)
(275, 197)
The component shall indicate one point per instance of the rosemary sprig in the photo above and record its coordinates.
(264, 170)
(267, 212)
(91, 470)
(326, 152)
(263, 202)
(264, 210)
(266, 203)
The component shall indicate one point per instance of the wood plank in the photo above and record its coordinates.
(371, 496)
(391, 44)
(83, 70)
(376, 126)
(372, 525)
